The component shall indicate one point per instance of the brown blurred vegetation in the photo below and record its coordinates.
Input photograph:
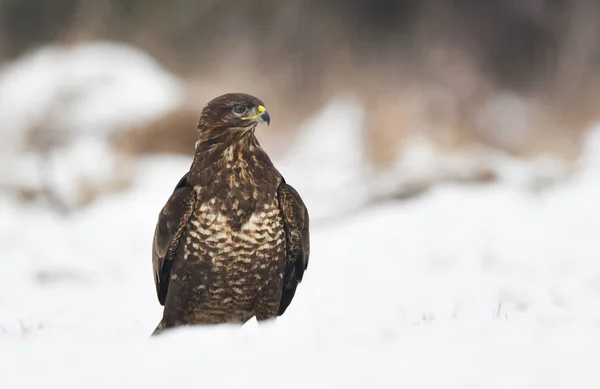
(518, 75)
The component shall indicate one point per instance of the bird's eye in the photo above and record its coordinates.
(239, 109)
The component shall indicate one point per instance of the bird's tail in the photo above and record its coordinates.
(159, 329)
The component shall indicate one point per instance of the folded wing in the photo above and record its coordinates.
(296, 218)
(172, 221)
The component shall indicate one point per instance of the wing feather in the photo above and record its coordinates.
(171, 224)
(296, 222)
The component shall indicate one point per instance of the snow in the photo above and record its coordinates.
(90, 87)
(75, 96)
(329, 149)
(465, 286)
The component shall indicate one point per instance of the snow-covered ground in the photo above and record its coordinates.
(466, 286)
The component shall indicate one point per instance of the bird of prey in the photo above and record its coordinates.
(232, 241)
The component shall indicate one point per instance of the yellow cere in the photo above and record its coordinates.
(259, 111)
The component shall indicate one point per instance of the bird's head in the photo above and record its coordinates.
(233, 112)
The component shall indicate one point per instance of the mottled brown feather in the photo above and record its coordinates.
(232, 241)
(171, 223)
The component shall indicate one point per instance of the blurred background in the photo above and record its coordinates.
(448, 153)
(461, 82)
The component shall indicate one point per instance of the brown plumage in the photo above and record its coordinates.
(232, 241)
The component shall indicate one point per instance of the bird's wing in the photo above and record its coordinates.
(295, 217)
(171, 224)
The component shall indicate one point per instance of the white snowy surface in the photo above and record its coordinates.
(463, 287)
(466, 286)
(74, 96)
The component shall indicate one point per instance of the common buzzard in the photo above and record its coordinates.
(232, 241)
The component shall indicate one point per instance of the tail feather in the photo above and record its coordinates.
(159, 329)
